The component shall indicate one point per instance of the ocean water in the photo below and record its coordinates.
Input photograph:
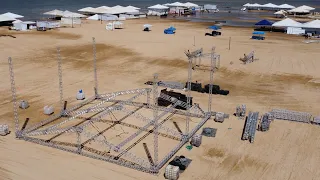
(34, 9)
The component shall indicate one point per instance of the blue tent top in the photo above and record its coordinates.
(172, 28)
(214, 27)
(264, 23)
(258, 32)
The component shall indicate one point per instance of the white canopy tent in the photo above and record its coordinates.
(86, 9)
(189, 4)
(69, 14)
(132, 7)
(315, 24)
(100, 10)
(302, 9)
(12, 15)
(158, 6)
(55, 12)
(104, 7)
(287, 23)
(270, 5)
(120, 10)
(286, 6)
(117, 6)
(281, 12)
(176, 4)
(4, 18)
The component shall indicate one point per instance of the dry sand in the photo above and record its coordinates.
(285, 76)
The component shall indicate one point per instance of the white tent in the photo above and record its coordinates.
(104, 7)
(299, 10)
(100, 10)
(287, 23)
(158, 6)
(69, 14)
(55, 12)
(117, 6)
(176, 4)
(247, 5)
(281, 12)
(189, 4)
(286, 6)
(86, 9)
(4, 18)
(16, 21)
(94, 17)
(132, 7)
(12, 15)
(306, 7)
(269, 5)
(315, 24)
(120, 10)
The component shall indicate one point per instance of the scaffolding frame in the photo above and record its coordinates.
(80, 130)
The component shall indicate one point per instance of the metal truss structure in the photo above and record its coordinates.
(76, 121)
(250, 126)
(283, 114)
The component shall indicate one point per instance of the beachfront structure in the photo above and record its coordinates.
(55, 12)
(210, 8)
(23, 25)
(158, 10)
(287, 23)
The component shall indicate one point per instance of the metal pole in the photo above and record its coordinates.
(60, 80)
(95, 67)
(194, 40)
(14, 98)
(229, 43)
(155, 115)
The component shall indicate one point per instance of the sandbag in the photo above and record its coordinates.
(48, 110)
(80, 95)
(24, 104)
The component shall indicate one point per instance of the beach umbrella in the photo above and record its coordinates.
(147, 25)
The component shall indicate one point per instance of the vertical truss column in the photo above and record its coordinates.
(189, 94)
(211, 80)
(14, 98)
(155, 115)
(60, 80)
(95, 67)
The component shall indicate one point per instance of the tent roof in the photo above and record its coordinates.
(117, 6)
(72, 14)
(264, 23)
(286, 6)
(120, 10)
(4, 18)
(94, 17)
(270, 5)
(287, 23)
(247, 4)
(100, 10)
(12, 15)
(55, 12)
(17, 21)
(177, 4)
(86, 9)
(312, 24)
(299, 10)
(282, 12)
(306, 7)
(104, 7)
(158, 6)
(28, 22)
(132, 7)
(189, 4)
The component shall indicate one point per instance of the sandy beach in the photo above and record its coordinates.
(285, 76)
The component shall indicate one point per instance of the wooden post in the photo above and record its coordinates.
(229, 43)
(194, 40)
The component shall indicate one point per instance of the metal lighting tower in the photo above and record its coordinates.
(60, 80)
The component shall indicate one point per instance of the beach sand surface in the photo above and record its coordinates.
(286, 75)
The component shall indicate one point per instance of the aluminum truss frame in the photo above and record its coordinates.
(79, 129)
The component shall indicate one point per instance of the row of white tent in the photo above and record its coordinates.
(290, 8)
(66, 14)
(315, 24)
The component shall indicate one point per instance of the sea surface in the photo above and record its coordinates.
(229, 9)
